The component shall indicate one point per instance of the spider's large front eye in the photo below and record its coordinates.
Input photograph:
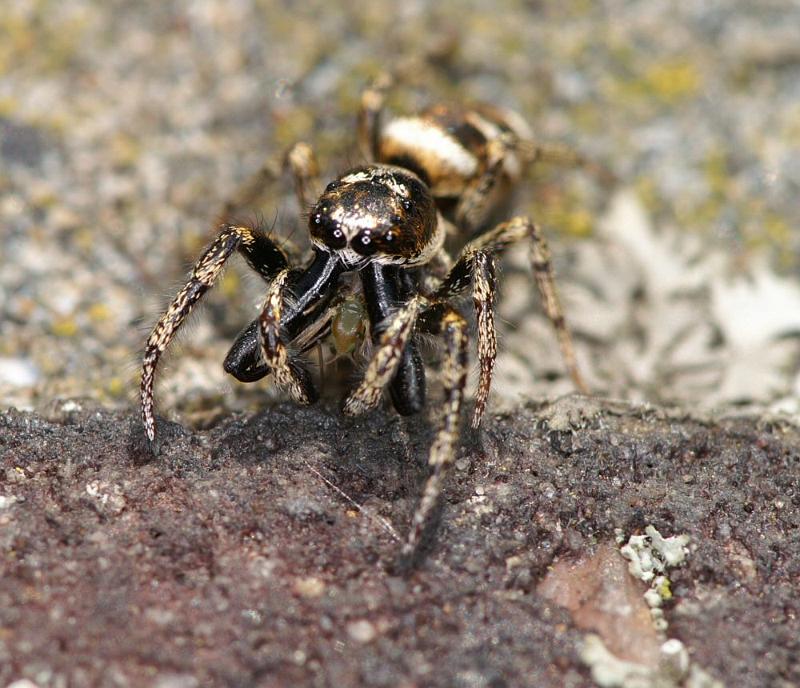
(327, 230)
(365, 244)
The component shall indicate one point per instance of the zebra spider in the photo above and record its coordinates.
(439, 173)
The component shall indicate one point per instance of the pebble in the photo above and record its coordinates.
(18, 372)
(361, 631)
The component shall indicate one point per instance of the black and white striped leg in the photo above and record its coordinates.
(287, 371)
(445, 321)
(523, 228)
(484, 290)
(261, 253)
(475, 268)
(395, 362)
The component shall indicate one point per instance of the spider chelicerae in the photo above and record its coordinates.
(441, 173)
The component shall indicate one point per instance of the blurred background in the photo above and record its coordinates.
(125, 127)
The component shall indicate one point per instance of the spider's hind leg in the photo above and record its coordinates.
(302, 163)
(368, 126)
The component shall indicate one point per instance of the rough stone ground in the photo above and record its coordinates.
(231, 561)
(124, 127)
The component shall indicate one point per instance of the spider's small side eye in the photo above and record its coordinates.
(407, 204)
(389, 236)
(335, 184)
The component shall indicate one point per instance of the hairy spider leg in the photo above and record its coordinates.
(261, 253)
(370, 113)
(475, 267)
(391, 309)
(301, 162)
(286, 371)
(441, 319)
(394, 348)
(477, 200)
(303, 165)
(249, 191)
(391, 348)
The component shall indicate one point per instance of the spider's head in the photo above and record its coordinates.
(377, 212)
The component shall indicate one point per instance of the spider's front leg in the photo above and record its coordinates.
(395, 362)
(297, 310)
(261, 253)
(286, 370)
(443, 320)
(476, 267)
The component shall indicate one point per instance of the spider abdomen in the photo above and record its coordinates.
(450, 148)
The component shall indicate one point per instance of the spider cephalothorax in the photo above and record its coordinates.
(385, 222)
(377, 212)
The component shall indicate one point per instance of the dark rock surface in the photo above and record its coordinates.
(230, 560)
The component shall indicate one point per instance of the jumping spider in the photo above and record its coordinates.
(442, 172)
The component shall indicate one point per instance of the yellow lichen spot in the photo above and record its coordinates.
(116, 387)
(648, 194)
(8, 106)
(777, 230)
(716, 169)
(65, 327)
(43, 196)
(84, 239)
(578, 223)
(294, 126)
(98, 312)
(674, 80)
(566, 213)
(125, 150)
(702, 215)
(664, 589)
(778, 234)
